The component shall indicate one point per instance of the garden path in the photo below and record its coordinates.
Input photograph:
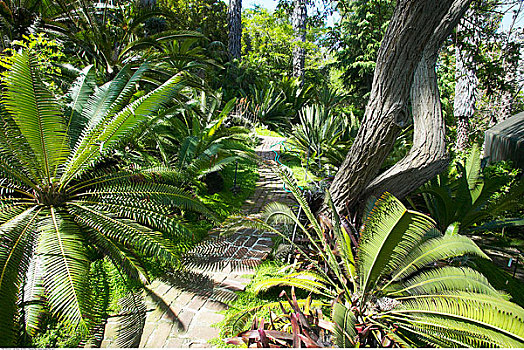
(182, 309)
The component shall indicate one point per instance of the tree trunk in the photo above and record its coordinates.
(510, 65)
(235, 28)
(299, 27)
(465, 77)
(428, 155)
(417, 27)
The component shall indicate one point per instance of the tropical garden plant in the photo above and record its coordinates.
(317, 133)
(192, 139)
(62, 205)
(405, 286)
(464, 199)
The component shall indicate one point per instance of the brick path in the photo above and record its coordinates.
(182, 308)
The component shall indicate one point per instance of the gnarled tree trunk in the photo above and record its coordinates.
(428, 155)
(465, 77)
(299, 26)
(417, 28)
(234, 15)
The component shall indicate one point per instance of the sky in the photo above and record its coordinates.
(268, 4)
(506, 22)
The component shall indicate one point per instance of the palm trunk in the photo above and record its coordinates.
(235, 28)
(299, 27)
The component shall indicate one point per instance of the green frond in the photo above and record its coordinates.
(117, 253)
(82, 88)
(152, 216)
(388, 234)
(36, 114)
(309, 281)
(14, 151)
(147, 192)
(345, 322)
(66, 269)
(33, 302)
(158, 174)
(444, 279)
(433, 250)
(126, 232)
(10, 210)
(344, 242)
(472, 167)
(487, 314)
(432, 331)
(101, 139)
(16, 238)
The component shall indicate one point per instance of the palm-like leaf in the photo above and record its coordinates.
(55, 208)
(407, 290)
(25, 96)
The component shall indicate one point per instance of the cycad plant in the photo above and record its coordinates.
(463, 199)
(193, 139)
(318, 135)
(57, 211)
(405, 287)
(206, 144)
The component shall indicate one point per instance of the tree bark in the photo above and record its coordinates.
(299, 26)
(428, 155)
(510, 65)
(417, 27)
(235, 28)
(464, 105)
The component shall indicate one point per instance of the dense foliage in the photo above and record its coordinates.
(127, 133)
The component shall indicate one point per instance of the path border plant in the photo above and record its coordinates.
(406, 286)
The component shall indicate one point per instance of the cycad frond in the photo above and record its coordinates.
(33, 302)
(145, 214)
(345, 322)
(126, 232)
(104, 136)
(78, 96)
(155, 194)
(36, 114)
(435, 249)
(388, 234)
(66, 269)
(446, 279)
(309, 281)
(17, 236)
(119, 255)
(501, 319)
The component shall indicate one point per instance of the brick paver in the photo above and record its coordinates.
(182, 309)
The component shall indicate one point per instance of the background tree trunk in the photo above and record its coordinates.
(234, 14)
(299, 26)
(464, 105)
(510, 64)
(417, 27)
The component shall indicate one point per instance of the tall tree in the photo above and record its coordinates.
(299, 27)
(464, 105)
(413, 38)
(235, 28)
